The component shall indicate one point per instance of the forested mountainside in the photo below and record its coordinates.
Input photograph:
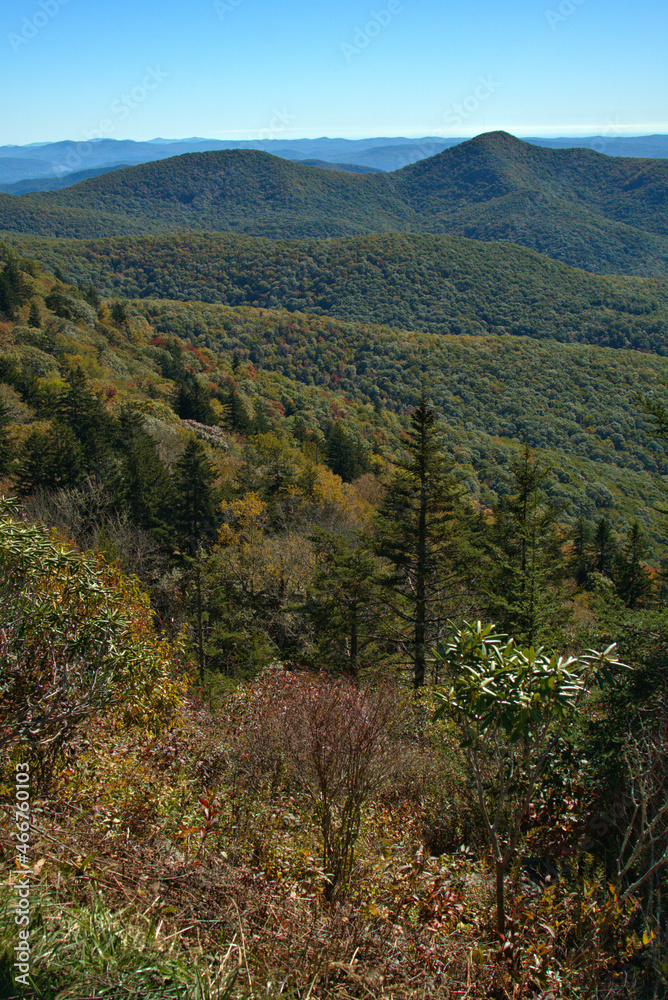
(576, 404)
(435, 284)
(49, 159)
(294, 600)
(599, 213)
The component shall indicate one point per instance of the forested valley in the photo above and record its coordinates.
(332, 618)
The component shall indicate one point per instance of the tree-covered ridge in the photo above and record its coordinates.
(496, 165)
(244, 367)
(218, 190)
(604, 214)
(435, 284)
(489, 391)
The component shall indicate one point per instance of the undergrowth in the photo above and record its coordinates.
(190, 865)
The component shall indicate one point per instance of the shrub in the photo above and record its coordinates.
(74, 636)
(335, 738)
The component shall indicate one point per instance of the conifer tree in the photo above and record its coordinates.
(525, 553)
(195, 497)
(193, 400)
(344, 605)
(34, 318)
(195, 516)
(144, 486)
(49, 460)
(345, 454)
(84, 413)
(604, 547)
(413, 535)
(5, 443)
(632, 579)
(580, 562)
(14, 289)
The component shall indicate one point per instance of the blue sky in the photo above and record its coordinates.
(251, 69)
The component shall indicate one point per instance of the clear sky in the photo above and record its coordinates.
(249, 69)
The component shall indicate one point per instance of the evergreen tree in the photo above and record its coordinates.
(59, 303)
(344, 606)
(345, 454)
(195, 518)
(93, 299)
(632, 580)
(144, 487)
(193, 400)
(84, 413)
(119, 313)
(580, 563)
(237, 416)
(34, 318)
(14, 289)
(195, 498)
(5, 442)
(277, 472)
(414, 533)
(49, 460)
(525, 554)
(604, 547)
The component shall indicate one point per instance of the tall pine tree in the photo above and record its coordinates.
(195, 498)
(414, 532)
(526, 562)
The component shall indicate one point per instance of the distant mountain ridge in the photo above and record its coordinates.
(599, 213)
(57, 159)
(56, 183)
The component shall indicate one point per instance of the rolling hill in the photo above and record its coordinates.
(599, 213)
(576, 404)
(436, 284)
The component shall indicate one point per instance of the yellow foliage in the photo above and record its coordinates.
(245, 518)
(279, 564)
(329, 497)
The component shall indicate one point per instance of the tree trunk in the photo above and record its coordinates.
(420, 592)
(500, 900)
(352, 668)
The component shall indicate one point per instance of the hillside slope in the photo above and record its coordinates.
(600, 213)
(437, 284)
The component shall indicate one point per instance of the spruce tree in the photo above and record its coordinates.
(633, 581)
(580, 562)
(345, 454)
(343, 605)
(525, 559)
(143, 484)
(605, 549)
(34, 318)
(5, 442)
(195, 498)
(84, 413)
(50, 460)
(413, 535)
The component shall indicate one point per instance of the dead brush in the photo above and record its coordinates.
(332, 740)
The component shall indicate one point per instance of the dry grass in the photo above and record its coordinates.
(245, 915)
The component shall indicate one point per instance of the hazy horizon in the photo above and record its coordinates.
(247, 70)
